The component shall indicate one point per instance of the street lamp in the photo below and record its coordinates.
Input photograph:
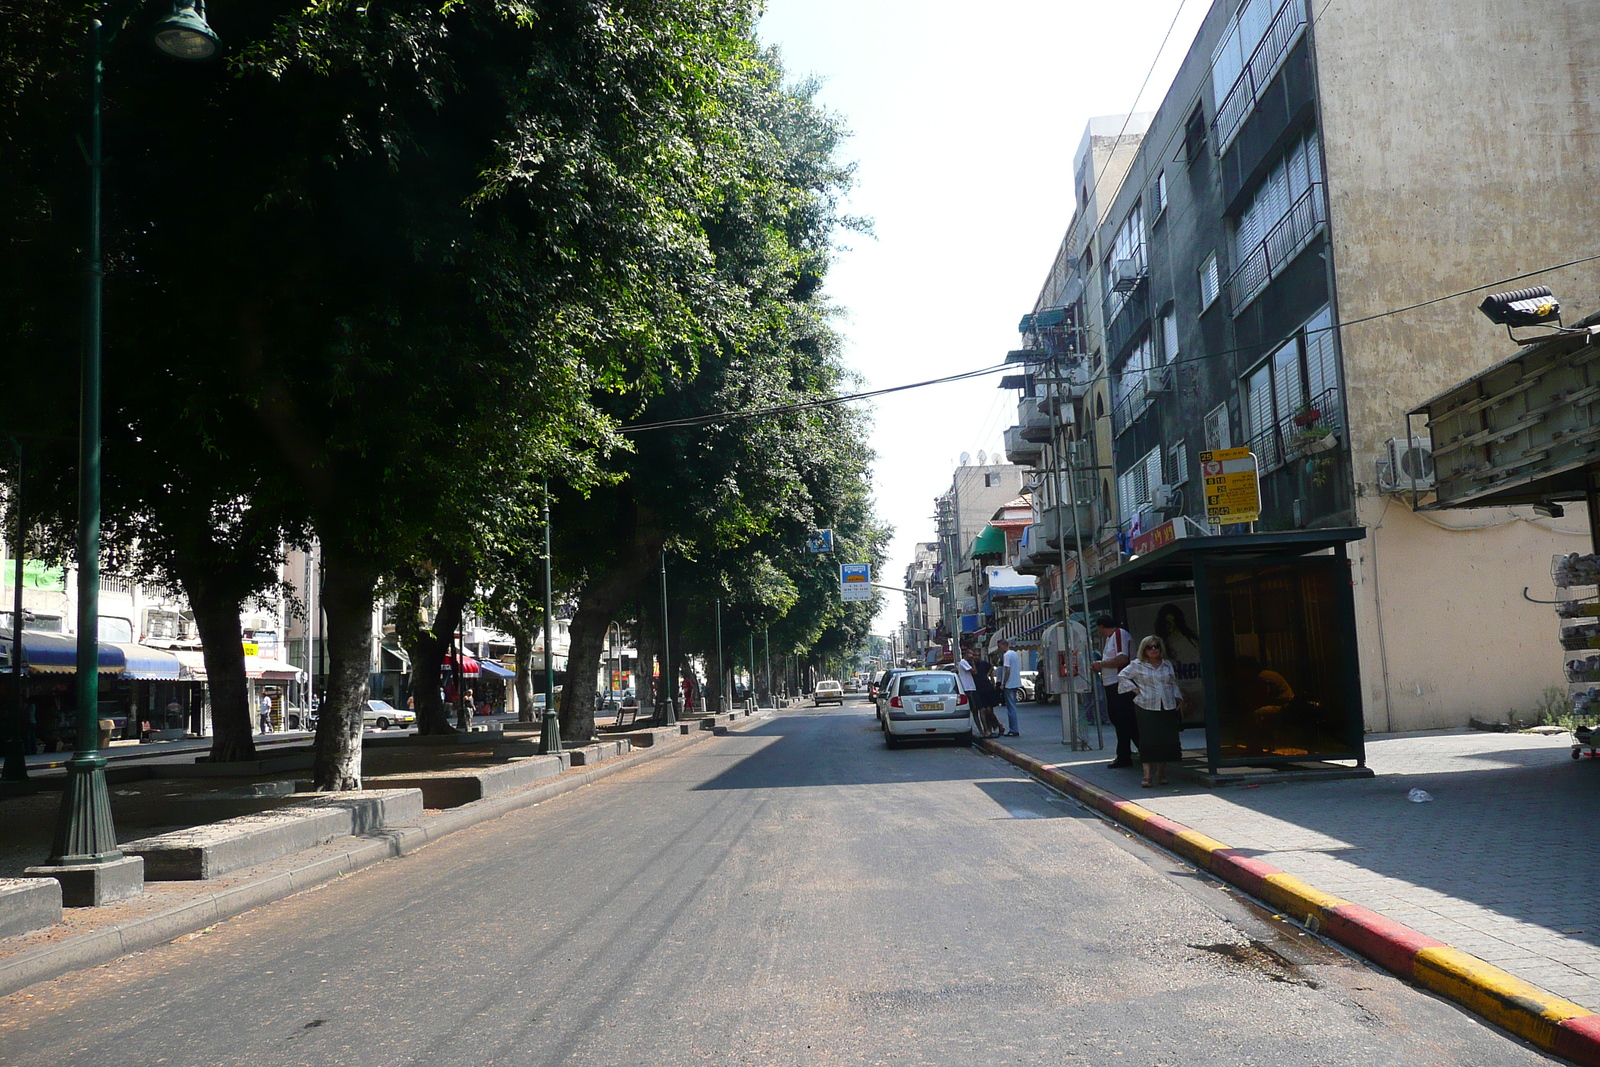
(550, 729)
(722, 677)
(667, 713)
(84, 855)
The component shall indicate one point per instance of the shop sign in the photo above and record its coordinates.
(251, 648)
(1233, 491)
(855, 581)
(1153, 539)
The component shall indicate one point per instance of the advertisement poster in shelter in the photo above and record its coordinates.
(1172, 618)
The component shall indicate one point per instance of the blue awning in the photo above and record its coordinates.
(494, 670)
(146, 664)
(44, 653)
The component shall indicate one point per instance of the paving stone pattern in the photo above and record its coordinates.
(1502, 863)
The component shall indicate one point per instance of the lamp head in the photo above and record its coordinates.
(184, 34)
(1522, 307)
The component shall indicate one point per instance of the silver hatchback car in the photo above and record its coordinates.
(926, 704)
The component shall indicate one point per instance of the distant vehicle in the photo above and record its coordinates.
(1030, 685)
(381, 715)
(880, 688)
(828, 692)
(928, 705)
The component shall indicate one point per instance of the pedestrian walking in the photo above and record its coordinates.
(266, 714)
(1115, 655)
(1153, 685)
(1010, 683)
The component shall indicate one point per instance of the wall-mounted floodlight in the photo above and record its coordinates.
(1522, 307)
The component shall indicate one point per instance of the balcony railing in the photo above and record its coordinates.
(1287, 239)
(1235, 106)
(1291, 437)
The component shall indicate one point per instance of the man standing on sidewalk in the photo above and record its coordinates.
(1119, 706)
(1010, 682)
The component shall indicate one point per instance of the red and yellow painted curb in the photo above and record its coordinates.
(1554, 1024)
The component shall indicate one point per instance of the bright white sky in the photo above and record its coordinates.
(965, 119)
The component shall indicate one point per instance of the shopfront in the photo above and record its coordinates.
(1261, 631)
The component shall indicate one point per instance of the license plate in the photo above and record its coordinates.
(930, 707)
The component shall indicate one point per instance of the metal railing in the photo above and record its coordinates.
(1287, 238)
(1279, 443)
(1235, 106)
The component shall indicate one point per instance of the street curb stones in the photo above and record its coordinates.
(103, 946)
(1552, 1023)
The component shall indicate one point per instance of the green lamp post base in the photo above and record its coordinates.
(84, 832)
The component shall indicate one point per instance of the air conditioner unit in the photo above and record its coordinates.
(1126, 274)
(1404, 467)
(1167, 498)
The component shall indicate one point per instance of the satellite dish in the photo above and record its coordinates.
(966, 458)
(983, 458)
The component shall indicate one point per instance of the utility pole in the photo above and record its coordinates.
(16, 762)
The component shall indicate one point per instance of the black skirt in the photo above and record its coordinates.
(1158, 735)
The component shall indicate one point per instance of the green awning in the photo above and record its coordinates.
(991, 542)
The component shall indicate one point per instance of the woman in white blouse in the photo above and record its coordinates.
(1157, 704)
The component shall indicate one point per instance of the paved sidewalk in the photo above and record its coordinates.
(1502, 862)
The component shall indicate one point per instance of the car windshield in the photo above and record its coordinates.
(375, 705)
(827, 685)
(927, 685)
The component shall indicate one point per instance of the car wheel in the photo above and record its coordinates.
(890, 740)
(383, 724)
(963, 740)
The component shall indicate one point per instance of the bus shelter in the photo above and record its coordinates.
(1261, 631)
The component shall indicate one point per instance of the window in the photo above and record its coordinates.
(1158, 197)
(991, 480)
(1253, 47)
(1210, 282)
(1125, 261)
(1136, 486)
(1218, 432)
(1301, 376)
(1283, 213)
(1133, 378)
(1194, 137)
(1177, 472)
(1169, 336)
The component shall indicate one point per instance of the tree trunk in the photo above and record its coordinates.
(347, 595)
(524, 679)
(645, 686)
(216, 615)
(429, 646)
(599, 603)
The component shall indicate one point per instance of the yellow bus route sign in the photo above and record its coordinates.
(1233, 492)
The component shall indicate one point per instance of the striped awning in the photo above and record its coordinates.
(1024, 629)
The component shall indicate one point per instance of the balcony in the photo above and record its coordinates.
(1288, 23)
(1022, 452)
(1033, 422)
(1070, 522)
(1299, 437)
(1288, 238)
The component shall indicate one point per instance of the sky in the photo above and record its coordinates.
(964, 121)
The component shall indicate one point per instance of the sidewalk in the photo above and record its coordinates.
(1501, 863)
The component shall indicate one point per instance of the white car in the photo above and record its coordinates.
(828, 692)
(381, 715)
(926, 704)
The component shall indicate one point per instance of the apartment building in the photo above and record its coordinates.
(1313, 173)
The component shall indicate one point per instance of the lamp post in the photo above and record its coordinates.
(550, 729)
(766, 634)
(16, 761)
(722, 677)
(668, 713)
(85, 837)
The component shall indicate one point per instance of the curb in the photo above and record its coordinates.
(1550, 1022)
(137, 935)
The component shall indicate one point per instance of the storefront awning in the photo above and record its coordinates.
(149, 664)
(469, 664)
(45, 653)
(1005, 581)
(494, 670)
(255, 668)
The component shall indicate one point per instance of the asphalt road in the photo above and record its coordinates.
(794, 894)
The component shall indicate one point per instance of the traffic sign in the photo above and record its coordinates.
(855, 581)
(821, 541)
(1233, 489)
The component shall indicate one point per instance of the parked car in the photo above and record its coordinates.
(880, 688)
(828, 692)
(380, 715)
(1030, 685)
(928, 705)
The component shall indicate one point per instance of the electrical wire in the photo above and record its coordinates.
(805, 405)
